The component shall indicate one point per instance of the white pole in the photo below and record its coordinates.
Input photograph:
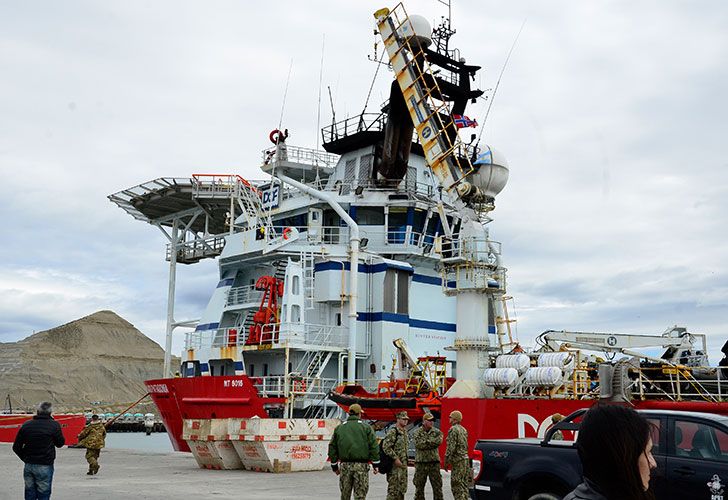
(353, 260)
(170, 299)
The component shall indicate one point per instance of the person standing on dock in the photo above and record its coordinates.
(456, 456)
(36, 444)
(92, 438)
(428, 439)
(396, 445)
(352, 447)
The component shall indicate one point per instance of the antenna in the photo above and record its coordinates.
(503, 69)
(285, 93)
(321, 76)
(331, 101)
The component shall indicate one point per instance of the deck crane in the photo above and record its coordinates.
(678, 342)
(469, 259)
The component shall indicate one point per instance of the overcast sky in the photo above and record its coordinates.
(612, 115)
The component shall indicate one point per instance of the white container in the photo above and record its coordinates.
(562, 360)
(543, 376)
(282, 444)
(520, 362)
(500, 377)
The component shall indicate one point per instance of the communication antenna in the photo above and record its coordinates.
(331, 101)
(442, 33)
(321, 77)
(285, 93)
(497, 83)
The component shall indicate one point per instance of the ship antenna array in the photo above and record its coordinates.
(497, 83)
(442, 33)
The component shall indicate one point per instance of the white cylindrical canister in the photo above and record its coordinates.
(543, 376)
(520, 362)
(500, 377)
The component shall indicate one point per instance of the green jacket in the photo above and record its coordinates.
(353, 441)
(427, 444)
(457, 444)
(92, 436)
(396, 444)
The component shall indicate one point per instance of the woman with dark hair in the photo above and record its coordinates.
(615, 448)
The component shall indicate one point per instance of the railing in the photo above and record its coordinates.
(194, 250)
(243, 295)
(306, 156)
(679, 383)
(274, 335)
(374, 122)
(475, 250)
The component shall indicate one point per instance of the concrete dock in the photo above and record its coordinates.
(145, 475)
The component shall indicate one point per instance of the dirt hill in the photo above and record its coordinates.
(99, 361)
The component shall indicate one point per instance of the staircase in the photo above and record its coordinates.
(280, 269)
(307, 263)
(431, 116)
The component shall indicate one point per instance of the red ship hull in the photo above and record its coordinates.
(519, 418)
(71, 426)
(205, 397)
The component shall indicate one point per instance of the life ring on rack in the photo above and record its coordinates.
(276, 136)
(287, 233)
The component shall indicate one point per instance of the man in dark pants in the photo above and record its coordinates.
(34, 444)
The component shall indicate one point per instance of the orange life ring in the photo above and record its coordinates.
(287, 233)
(277, 136)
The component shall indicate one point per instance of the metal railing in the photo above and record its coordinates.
(300, 336)
(296, 154)
(200, 248)
(243, 295)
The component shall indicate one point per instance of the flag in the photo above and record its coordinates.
(484, 159)
(462, 121)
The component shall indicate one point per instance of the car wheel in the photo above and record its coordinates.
(545, 496)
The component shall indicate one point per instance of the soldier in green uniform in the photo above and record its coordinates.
(352, 447)
(428, 439)
(395, 445)
(92, 438)
(456, 456)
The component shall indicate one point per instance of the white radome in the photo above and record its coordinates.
(490, 177)
(422, 28)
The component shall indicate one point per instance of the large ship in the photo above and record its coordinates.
(366, 272)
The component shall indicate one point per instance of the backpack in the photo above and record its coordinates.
(386, 463)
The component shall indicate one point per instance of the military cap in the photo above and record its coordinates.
(428, 416)
(456, 416)
(403, 415)
(355, 409)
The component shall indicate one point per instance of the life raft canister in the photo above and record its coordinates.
(276, 136)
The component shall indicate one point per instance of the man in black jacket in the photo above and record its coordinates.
(34, 444)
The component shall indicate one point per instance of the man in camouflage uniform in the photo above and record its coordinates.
(352, 447)
(428, 439)
(456, 456)
(395, 445)
(92, 438)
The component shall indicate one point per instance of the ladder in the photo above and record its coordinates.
(307, 263)
(430, 115)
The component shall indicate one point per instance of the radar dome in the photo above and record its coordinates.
(422, 30)
(491, 171)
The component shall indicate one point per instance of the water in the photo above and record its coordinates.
(156, 441)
